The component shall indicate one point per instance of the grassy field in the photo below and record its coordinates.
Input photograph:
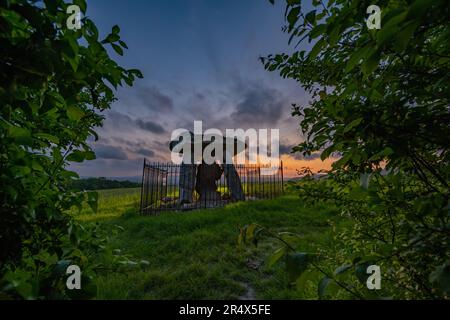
(112, 203)
(194, 255)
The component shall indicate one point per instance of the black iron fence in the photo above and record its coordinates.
(169, 187)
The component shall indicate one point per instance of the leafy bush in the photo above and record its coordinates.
(53, 85)
(380, 102)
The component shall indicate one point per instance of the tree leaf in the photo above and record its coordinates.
(419, 8)
(317, 31)
(326, 153)
(370, 64)
(81, 4)
(404, 36)
(297, 263)
(352, 124)
(440, 277)
(276, 256)
(323, 284)
(89, 155)
(316, 49)
(361, 271)
(303, 279)
(76, 156)
(18, 132)
(123, 44)
(342, 269)
(250, 231)
(117, 49)
(293, 15)
(116, 29)
(137, 73)
(92, 200)
(75, 113)
(356, 58)
(311, 17)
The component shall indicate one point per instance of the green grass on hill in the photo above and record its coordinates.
(112, 203)
(194, 255)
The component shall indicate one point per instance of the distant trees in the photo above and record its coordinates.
(54, 82)
(380, 100)
(102, 183)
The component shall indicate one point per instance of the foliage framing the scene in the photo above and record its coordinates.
(380, 103)
(54, 82)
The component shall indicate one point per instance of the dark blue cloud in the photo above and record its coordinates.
(153, 99)
(259, 105)
(145, 152)
(150, 126)
(103, 151)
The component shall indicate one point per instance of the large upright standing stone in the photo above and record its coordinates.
(206, 186)
(187, 182)
(233, 182)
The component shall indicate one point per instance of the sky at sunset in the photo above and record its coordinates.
(200, 61)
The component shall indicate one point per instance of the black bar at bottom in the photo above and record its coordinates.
(224, 309)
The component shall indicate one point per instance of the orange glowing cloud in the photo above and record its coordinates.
(291, 165)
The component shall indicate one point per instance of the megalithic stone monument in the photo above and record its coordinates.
(202, 177)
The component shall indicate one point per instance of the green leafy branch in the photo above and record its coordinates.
(296, 263)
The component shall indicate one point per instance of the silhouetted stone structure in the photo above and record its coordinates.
(205, 175)
(169, 187)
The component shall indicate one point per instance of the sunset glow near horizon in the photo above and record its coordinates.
(291, 165)
(200, 62)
